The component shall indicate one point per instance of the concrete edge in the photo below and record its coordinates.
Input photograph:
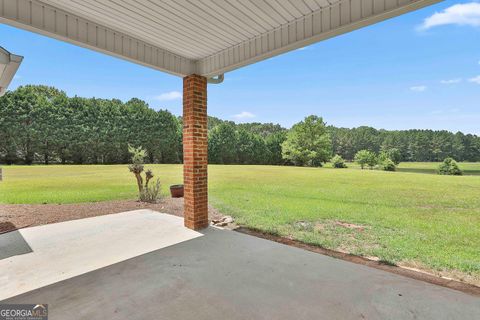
(406, 272)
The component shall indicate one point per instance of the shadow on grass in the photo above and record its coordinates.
(434, 171)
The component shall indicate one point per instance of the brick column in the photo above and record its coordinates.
(195, 151)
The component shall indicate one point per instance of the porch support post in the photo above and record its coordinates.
(195, 151)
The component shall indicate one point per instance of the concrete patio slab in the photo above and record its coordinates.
(228, 275)
(38, 256)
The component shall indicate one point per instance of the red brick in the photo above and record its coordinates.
(195, 152)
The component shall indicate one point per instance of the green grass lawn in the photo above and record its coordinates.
(405, 217)
(71, 184)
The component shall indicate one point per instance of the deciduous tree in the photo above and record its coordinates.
(308, 143)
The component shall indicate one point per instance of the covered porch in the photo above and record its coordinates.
(199, 41)
(145, 264)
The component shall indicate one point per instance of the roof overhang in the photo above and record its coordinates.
(9, 64)
(205, 37)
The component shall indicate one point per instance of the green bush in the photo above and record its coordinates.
(365, 157)
(449, 167)
(388, 165)
(338, 162)
(394, 155)
(382, 156)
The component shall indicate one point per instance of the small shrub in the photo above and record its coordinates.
(338, 162)
(388, 165)
(361, 158)
(372, 160)
(151, 193)
(449, 167)
(382, 156)
(394, 155)
(146, 192)
(365, 157)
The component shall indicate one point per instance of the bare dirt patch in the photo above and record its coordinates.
(344, 236)
(350, 225)
(17, 216)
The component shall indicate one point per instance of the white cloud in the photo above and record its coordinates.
(451, 81)
(475, 80)
(418, 88)
(17, 77)
(445, 111)
(244, 115)
(464, 14)
(169, 96)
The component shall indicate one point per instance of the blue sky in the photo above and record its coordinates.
(420, 70)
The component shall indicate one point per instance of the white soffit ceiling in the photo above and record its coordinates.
(206, 37)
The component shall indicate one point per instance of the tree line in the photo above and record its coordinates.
(40, 124)
(413, 145)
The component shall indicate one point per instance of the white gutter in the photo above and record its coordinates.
(9, 64)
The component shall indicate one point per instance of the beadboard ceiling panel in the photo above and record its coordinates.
(207, 37)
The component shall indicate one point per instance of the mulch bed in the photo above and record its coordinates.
(17, 216)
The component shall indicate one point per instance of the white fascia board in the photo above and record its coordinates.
(340, 17)
(38, 17)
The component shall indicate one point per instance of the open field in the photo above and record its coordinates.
(420, 220)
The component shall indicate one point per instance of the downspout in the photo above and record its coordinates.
(216, 80)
